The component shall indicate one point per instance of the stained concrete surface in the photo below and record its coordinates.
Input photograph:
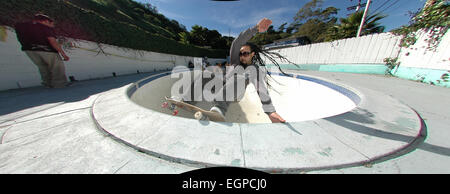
(51, 130)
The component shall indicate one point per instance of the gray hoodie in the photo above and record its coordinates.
(259, 84)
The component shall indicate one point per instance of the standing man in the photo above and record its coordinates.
(38, 41)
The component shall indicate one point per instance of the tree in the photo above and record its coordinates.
(349, 26)
(313, 21)
(198, 35)
(214, 39)
(229, 40)
(267, 37)
(292, 28)
(312, 10)
(151, 8)
(282, 27)
(202, 36)
(184, 37)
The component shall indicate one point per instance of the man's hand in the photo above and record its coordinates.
(275, 118)
(65, 57)
(57, 47)
(264, 24)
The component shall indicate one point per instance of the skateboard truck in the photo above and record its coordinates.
(199, 113)
(171, 107)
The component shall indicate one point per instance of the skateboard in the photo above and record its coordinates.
(199, 113)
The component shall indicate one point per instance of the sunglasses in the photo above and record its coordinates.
(245, 54)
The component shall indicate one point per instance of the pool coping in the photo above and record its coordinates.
(369, 133)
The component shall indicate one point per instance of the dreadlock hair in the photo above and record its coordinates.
(271, 56)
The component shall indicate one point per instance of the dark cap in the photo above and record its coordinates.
(42, 17)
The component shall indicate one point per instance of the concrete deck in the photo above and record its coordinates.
(66, 131)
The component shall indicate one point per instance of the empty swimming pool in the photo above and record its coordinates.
(330, 125)
(295, 97)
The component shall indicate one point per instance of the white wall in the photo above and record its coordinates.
(371, 49)
(17, 71)
(418, 56)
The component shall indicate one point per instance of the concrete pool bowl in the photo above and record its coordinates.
(329, 125)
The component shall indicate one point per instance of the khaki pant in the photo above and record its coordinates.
(51, 68)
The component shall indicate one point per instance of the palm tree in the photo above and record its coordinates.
(349, 26)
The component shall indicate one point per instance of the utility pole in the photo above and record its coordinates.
(363, 18)
(358, 6)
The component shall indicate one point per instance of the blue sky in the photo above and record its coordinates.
(232, 17)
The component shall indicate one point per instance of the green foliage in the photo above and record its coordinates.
(315, 30)
(433, 19)
(202, 36)
(312, 10)
(445, 77)
(313, 21)
(184, 37)
(123, 23)
(349, 26)
(391, 63)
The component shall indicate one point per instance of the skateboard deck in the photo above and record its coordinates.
(199, 113)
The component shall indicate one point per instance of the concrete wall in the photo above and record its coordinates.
(418, 56)
(355, 55)
(371, 49)
(366, 54)
(421, 64)
(87, 61)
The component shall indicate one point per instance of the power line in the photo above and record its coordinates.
(381, 6)
(389, 6)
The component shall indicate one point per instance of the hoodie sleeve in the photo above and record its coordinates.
(260, 85)
(243, 38)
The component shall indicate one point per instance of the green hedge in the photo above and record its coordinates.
(75, 21)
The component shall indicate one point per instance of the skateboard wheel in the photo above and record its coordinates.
(175, 112)
(199, 116)
(165, 105)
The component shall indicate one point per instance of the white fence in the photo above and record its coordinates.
(371, 49)
(86, 62)
(418, 56)
(17, 71)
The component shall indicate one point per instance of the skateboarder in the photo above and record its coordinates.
(38, 41)
(247, 56)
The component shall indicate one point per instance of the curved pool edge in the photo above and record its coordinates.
(354, 138)
(141, 93)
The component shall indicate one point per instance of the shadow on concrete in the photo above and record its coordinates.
(355, 121)
(292, 128)
(16, 100)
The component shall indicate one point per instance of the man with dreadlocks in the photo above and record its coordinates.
(247, 56)
(246, 67)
